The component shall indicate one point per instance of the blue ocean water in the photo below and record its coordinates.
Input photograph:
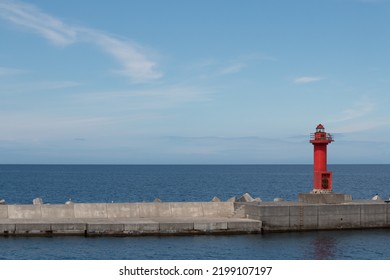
(134, 183)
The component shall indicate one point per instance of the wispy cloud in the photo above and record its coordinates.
(136, 64)
(4, 71)
(356, 111)
(357, 118)
(214, 68)
(243, 61)
(233, 68)
(307, 79)
(30, 17)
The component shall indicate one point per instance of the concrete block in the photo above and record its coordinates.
(210, 226)
(244, 226)
(106, 228)
(373, 215)
(3, 211)
(338, 216)
(176, 227)
(217, 209)
(322, 198)
(276, 222)
(239, 212)
(90, 210)
(24, 212)
(32, 228)
(154, 210)
(130, 227)
(250, 211)
(274, 210)
(149, 227)
(57, 211)
(68, 228)
(344, 209)
(146, 227)
(275, 216)
(348, 197)
(304, 217)
(376, 197)
(307, 210)
(37, 201)
(374, 209)
(122, 210)
(187, 209)
(246, 197)
(7, 228)
(388, 214)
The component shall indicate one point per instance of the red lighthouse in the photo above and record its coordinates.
(322, 178)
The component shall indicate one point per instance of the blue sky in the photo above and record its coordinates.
(193, 81)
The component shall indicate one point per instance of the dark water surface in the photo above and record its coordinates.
(135, 183)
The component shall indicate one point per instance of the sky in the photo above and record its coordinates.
(193, 82)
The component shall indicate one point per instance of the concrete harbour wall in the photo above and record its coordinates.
(117, 210)
(174, 218)
(124, 219)
(300, 216)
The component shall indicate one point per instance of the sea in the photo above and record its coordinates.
(56, 184)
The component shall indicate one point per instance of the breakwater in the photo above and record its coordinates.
(168, 218)
(299, 216)
(176, 218)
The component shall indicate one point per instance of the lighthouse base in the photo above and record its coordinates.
(322, 182)
(324, 198)
(320, 191)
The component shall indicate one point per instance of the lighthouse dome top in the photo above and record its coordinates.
(320, 128)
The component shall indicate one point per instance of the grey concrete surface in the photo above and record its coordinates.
(170, 218)
(324, 198)
(297, 216)
(124, 219)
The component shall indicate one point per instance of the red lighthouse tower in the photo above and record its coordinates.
(322, 178)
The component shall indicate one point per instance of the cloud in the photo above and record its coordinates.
(233, 68)
(307, 80)
(358, 118)
(32, 18)
(136, 65)
(357, 111)
(244, 61)
(214, 68)
(4, 71)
